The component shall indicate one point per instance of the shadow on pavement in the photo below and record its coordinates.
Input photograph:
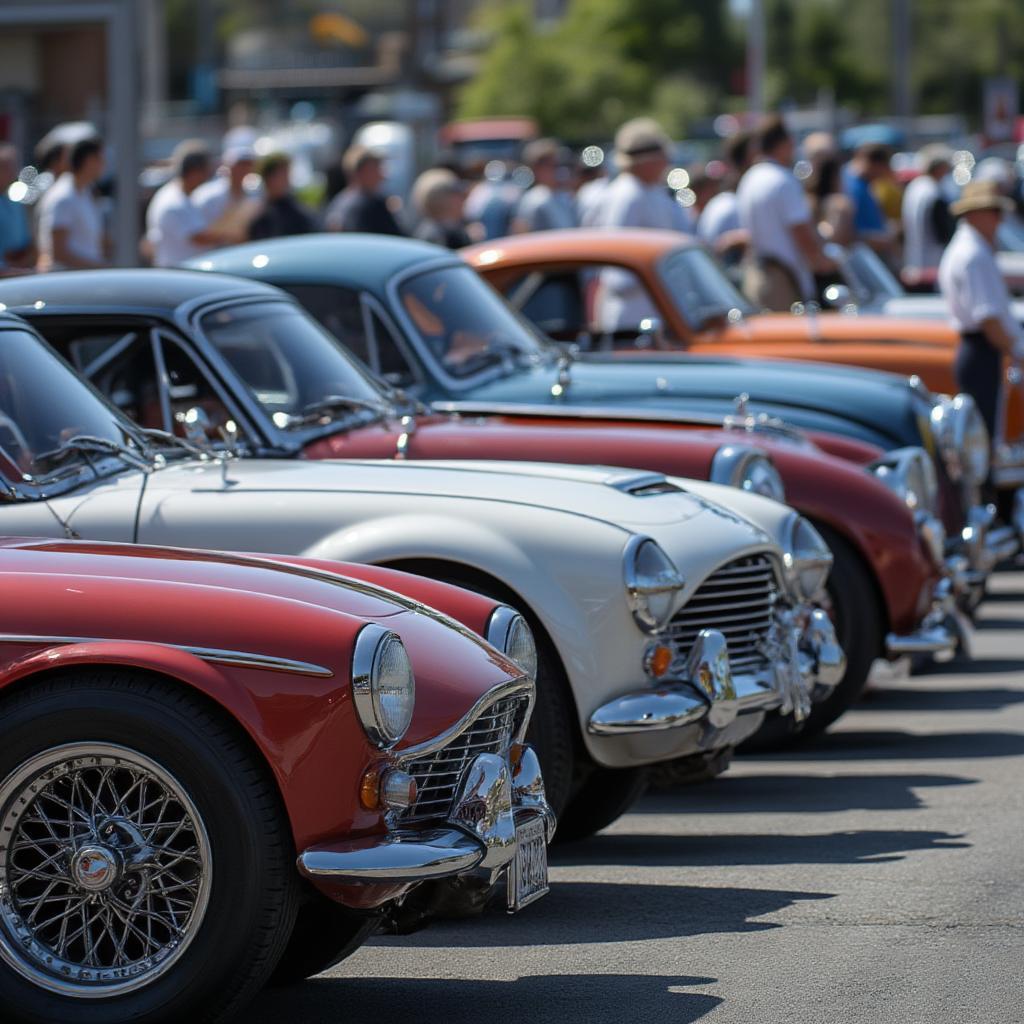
(587, 913)
(690, 851)
(975, 667)
(765, 794)
(885, 698)
(542, 999)
(992, 622)
(867, 744)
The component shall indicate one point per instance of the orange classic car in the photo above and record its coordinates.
(630, 290)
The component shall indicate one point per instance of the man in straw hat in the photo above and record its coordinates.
(978, 300)
(637, 198)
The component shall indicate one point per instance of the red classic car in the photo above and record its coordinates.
(219, 769)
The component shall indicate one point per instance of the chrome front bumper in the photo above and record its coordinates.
(479, 836)
(985, 544)
(710, 707)
(940, 631)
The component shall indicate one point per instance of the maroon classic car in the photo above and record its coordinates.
(199, 793)
(204, 352)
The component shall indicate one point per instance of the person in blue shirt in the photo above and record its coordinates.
(870, 162)
(17, 251)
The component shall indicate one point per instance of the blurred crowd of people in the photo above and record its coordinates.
(768, 208)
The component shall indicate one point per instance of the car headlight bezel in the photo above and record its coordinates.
(747, 469)
(961, 438)
(510, 633)
(652, 583)
(383, 685)
(910, 474)
(806, 558)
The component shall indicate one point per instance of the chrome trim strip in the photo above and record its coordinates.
(239, 659)
(510, 688)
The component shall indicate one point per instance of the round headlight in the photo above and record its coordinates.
(652, 582)
(749, 470)
(511, 634)
(910, 474)
(962, 438)
(383, 688)
(806, 557)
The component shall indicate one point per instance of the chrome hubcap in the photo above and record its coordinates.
(104, 870)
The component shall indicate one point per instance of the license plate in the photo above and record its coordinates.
(528, 875)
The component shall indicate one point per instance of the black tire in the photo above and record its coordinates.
(324, 934)
(605, 795)
(240, 840)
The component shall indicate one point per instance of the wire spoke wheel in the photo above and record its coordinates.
(105, 870)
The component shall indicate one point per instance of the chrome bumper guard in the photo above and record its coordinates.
(940, 631)
(480, 835)
(806, 664)
(985, 544)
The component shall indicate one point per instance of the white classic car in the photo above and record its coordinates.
(666, 625)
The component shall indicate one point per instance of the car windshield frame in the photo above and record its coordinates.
(81, 467)
(541, 351)
(698, 320)
(876, 284)
(297, 434)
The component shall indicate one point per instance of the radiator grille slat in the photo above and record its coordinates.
(438, 774)
(737, 600)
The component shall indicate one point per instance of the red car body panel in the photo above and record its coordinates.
(820, 486)
(137, 607)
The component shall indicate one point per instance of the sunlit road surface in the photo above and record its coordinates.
(876, 877)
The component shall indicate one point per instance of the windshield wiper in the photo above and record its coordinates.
(173, 441)
(86, 443)
(337, 403)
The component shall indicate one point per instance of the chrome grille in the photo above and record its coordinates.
(736, 599)
(438, 774)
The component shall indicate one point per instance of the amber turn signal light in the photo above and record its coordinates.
(658, 660)
(387, 789)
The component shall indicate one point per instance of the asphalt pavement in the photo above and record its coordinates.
(876, 877)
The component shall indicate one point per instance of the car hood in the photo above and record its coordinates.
(625, 498)
(866, 330)
(183, 567)
(870, 405)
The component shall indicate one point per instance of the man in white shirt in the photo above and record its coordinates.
(545, 205)
(176, 228)
(927, 222)
(638, 197)
(978, 300)
(785, 249)
(226, 198)
(70, 225)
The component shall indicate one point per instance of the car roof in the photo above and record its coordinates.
(124, 291)
(577, 244)
(362, 259)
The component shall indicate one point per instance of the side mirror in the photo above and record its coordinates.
(837, 296)
(650, 333)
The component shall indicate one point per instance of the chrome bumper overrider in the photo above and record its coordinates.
(939, 632)
(806, 662)
(479, 836)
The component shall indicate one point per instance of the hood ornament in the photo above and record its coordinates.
(761, 423)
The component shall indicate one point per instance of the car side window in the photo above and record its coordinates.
(390, 363)
(555, 301)
(192, 396)
(340, 311)
(120, 363)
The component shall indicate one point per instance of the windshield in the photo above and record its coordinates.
(465, 325)
(868, 277)
(286, 359)
(700, 289)
(43, 405)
